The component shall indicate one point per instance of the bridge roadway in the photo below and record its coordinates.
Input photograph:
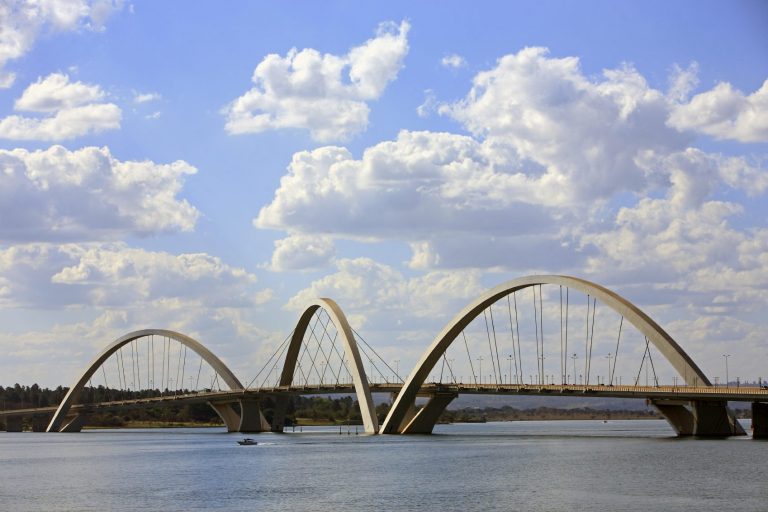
(683, 393)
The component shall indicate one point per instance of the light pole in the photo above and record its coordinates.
(726, 356)
(509, 358)
(480, 361)
(610, 380)
(397, 369)
(574, 357)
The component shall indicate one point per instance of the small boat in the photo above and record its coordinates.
(247, 442)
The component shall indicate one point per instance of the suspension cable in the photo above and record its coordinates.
(199, 369)
(517, 328)
(536, 325)
(495, 344)
(567, 290)
(358, 336)
(275, 353)
(586, 347)
(616, 354)
(562, 374)
(512, 332)
(650, 358)
(541, 331)
(490, 348)
(592, 336)
(466, 345)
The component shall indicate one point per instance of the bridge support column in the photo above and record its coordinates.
(251, 417)
(759, 420)
(279, 412)
(702, 418)
(74, 424)
(14, 424)
(227, 414)
(423, 420)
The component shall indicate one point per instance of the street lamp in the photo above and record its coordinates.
(480, 361)
(574, 357)
(509, 358)
(610, 380)
(726, 356)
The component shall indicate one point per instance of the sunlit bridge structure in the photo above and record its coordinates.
(544, 335)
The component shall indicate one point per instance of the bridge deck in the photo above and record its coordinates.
(733, 394)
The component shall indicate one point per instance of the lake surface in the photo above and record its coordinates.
(536, 466)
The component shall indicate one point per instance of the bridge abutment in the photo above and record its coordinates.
(251, 417)
(279, 412)
(250, 420)
(423, 420)
(701, 418)
(74, 424)
(759, 420)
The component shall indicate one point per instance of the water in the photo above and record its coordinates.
(536, 466)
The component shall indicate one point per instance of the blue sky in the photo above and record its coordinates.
(471, 143)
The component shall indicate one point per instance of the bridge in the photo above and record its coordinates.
(325, 355)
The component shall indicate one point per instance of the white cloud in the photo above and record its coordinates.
(726, 113)
(55, 92)
(553, 151)
(22, 22)
(74, 110)
(367, 289)
(453, 61)
(57, 194)
(302, 252)
(28, 356)
(146, 97)
(683, 81)
(114, 275)
(585, 135)
(429, 105)
(323, 93)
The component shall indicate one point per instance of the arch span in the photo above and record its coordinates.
(74, 391)
(362, 389)
(679, 360)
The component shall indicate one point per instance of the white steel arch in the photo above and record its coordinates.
(362, 389)
(645, 324)
(75, 390)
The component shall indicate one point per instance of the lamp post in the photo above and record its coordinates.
(726, 356)
(574, 357)
(509, 358)
(610, 381)
(397, 369)
(480, 361)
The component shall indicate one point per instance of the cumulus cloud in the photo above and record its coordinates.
(584, 134)
(324, 93)
(29, 355)
(302, 252)
(453, 61)
(725, 113)
(88, 194)
(74, 109)
(366, 288)
(550, 155)
(114, 275)
(683, 81)
(23, 21)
